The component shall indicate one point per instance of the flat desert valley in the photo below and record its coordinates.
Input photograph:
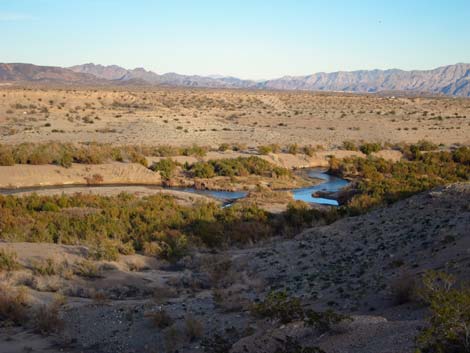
(208, 117)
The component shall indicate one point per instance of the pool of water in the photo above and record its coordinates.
(330, 184)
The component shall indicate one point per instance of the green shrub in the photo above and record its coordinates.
(308, 150)
(324, 321)
(88, 269)
(349, 146)
(369, 148)
(448, 328)
(293, 148)
(6, 156)
(224, 147)
(105, 250)
(241, 166)
(264, 150)
(202, 170)
(278, 305)
(379, 181)
(166, 167)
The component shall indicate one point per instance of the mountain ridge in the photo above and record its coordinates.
(451, 80)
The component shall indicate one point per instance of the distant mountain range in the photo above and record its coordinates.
(453, 80)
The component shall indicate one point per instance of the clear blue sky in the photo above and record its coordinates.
(249, 39)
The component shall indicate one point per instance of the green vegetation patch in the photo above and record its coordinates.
(379, 181)
(241, 166)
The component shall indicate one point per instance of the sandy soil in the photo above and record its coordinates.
(42, 175)
(212, 117)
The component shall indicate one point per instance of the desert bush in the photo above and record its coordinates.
(278, 305)
(167, 167)
(46, 318)
(448, 328)
(224, 147)
(349, 146)
(202, 170)
(160, 319)
(267, 149)
(6, 156)
(107, 250)
(300, 215)
(324, 321)
(219, 343)
(241, 166)
(94, 179)
(173, 338)
(291, 345)
(8, 260)
(194, 328)
(293, 148)
(46, 267)
(173, 244)
(368, 148)
(13, 305)
(308, 150)
(403, 290)
(88, 269)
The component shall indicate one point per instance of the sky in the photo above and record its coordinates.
(247, 38)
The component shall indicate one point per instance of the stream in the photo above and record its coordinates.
(330, 184)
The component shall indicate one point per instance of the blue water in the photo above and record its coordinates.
(331, 184)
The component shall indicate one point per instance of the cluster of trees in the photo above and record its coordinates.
(240, 166)
(379, 181)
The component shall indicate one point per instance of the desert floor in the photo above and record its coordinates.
(210, 117)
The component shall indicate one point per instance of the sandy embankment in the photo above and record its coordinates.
(286, 160)
(19, 176)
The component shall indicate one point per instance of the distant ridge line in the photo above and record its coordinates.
(451, 80)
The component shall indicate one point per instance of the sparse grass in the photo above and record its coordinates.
(46, 267)
(8, 260)
(194, 327)
(88, 269)
(13, 305)
(160, 319)
(46, 318)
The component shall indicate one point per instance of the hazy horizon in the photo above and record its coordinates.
(250, 40)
